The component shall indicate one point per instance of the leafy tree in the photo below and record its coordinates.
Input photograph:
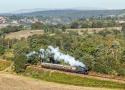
(21, 47)
(63, 28)
(2, 50)
(10, 29)
(20, 61)
(123, 29)
(75, 25)
(33, 59)
(37, 25)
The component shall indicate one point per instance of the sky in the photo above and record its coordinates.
(13, 5)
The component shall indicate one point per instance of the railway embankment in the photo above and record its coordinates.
(71, 79)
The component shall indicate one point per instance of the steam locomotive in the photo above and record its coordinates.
(73, 69)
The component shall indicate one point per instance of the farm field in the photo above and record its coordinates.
(23, 34)
(14, 82)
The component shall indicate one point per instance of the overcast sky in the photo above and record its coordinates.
(12, 5)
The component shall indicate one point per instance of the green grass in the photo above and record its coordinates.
(70, 79)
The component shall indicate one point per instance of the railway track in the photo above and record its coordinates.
(103, 77)
(90, 75)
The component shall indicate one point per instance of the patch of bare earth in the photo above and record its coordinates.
(14, 82)
(23, 34)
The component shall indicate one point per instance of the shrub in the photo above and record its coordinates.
(20, 63)
(2, 50)
(4, 64)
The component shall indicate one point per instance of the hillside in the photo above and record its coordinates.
(65, 16)
(74, 13)
(69, 15)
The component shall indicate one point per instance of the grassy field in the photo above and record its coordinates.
(23, 34)
(71, 79)
(16, 82)
(4, 64)
(92, 30)
(27, 33)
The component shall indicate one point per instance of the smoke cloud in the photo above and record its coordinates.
(57, 56)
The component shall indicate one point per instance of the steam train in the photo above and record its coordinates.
(66, 68)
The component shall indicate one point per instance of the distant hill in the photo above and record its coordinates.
(28, 10)
(74, 13)
(68, 15)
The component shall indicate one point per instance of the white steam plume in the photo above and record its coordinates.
(58, 56)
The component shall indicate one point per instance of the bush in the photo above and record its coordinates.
(2, 50)
(34, 59)
(4, 64)
(10, 29)
(8, 55)
(20, 63)
(121, 71)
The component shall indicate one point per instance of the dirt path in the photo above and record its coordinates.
(14, 82)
